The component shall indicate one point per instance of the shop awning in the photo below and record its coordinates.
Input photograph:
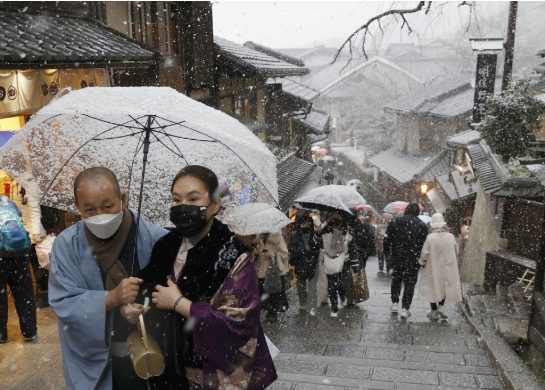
(32, 41)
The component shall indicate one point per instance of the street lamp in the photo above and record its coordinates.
(424, 188)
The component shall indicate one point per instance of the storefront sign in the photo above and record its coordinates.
(484, 84)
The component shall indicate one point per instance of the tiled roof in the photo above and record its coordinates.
(291, 174)
(317, 122)
(274, 53)
(427, 98)
(259, 62)
(465, 138)
(47, 40)
(295, 88)
(483, 169)
(457, 105)
(403, 167)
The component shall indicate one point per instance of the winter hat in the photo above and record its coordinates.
(413, 209)
(437, 221)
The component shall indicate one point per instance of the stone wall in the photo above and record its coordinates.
(483, 238)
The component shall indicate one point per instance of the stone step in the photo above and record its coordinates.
(475, 305)
(513, 330)
(470, 289)
(518, 300)
(497, 304)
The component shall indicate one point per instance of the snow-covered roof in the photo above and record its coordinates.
(317, 121)
(483, 169)
(465, 138)
(47, 38)
(427, 98)
(295, 88)
(291, 174)
(274, 53)
(403, 167)
(256, 61)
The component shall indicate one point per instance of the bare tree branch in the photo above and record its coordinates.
(365, 27)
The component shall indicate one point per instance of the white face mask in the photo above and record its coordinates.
(104, 225)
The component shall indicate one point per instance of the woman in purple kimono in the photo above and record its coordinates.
(206, 312)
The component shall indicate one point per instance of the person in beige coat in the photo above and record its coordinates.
(272, 248)
(440, 279)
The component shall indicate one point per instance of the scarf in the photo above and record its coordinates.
(108, 251)
(336, 246)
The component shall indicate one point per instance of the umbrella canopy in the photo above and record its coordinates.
(256, 218)
(425, 218)
(355, 184)
(332, 197)
(398, 206)
(328, 158)
(315, 148)
(321, 151)
(108, 126)
(319, 143)
(364, 208)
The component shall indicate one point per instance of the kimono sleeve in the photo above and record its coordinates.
(81, 310)
(226, 332)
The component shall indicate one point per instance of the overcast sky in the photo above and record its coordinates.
(292, 24)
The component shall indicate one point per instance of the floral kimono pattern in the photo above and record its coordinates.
(228, 334)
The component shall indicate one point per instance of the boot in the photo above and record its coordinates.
(43, 299)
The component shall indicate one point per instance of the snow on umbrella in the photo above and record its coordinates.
(328, 158)
(321, 151)
(256, 218)
(332, 197)
(117, 127)
(364, 208)
(425, 218)
(319, 143)
(315, 148)
(398, 206)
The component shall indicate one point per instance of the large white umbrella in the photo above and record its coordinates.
(328, 158)
(109, 126)
(256, 218)
(331, 197)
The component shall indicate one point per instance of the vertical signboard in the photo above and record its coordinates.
(484, 83)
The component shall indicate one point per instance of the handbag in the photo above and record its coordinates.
(145, 354)
(273, 279)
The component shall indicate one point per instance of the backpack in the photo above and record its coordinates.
(14, 240)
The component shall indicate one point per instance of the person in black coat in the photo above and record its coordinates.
(403, 243)
(362, 245)
(304, 250)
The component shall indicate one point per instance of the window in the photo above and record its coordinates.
(243, 107)
(157, 24)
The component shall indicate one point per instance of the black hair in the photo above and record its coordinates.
(205, 175)
(93, 174)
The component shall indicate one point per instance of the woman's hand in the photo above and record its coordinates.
(131, 312)
(266, 255)
(166, 297)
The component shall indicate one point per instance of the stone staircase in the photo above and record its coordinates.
(508, 311)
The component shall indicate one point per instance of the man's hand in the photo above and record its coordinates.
(266, 255)
(37, 238)
(166, 297)
(131, 312)
(125, 292)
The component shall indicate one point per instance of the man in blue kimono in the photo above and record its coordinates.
(90, 285)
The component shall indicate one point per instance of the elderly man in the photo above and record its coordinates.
(90, 285)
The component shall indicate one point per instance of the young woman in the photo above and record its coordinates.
(335, 240)
(272, 248)
(207, 304)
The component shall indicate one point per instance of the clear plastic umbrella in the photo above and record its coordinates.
(332, 197)
(256, 218)
(145, 135)
(398, 206)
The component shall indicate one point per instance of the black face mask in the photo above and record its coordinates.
(188, 219)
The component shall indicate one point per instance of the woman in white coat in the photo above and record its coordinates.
(441, 279)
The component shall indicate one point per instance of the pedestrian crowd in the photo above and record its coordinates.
(194, 294)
